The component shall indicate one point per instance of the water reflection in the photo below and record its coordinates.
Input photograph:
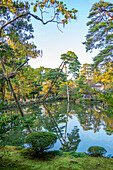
(69, 123)
(69, 141)
(73, 140)
(93, 117)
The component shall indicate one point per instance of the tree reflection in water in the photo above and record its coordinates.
(73, 137)
(93, 117)
(57, 116)
(73, 141)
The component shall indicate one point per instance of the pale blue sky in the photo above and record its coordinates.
(54, 43)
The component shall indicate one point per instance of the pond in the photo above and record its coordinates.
(77, 126)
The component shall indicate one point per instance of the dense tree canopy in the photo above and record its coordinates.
(100, 33)
(25, 85)
(16, 48)
(71, 60)
(16, 30)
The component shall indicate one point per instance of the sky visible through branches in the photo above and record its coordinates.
(54, 42)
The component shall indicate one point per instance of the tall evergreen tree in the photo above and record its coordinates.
(100, 33)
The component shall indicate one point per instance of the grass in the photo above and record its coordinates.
(15, 159)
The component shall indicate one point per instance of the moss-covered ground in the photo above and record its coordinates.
(13, 158)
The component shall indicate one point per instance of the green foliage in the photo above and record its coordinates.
(77, 154)
(107, 98)
(15, 45)
(97, 151)
(14, 160)
(15, 121)
(73, 140)
(11, 130)
(80, 87)
(3, 103)
(110, 130)
(7, 122)
(16, 32)
(14, 137)
(100, 35)
(29, 121)
(57, 152)
(40, 141)
(53, 74)
(71, 59)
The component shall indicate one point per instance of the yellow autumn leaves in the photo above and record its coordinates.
(11, 44)
(60, 10)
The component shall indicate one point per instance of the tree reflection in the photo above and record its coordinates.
(69, 141)
(73, 141)
(93, 117)
(55, 117)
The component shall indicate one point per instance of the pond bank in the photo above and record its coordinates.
(35, 101)
(51, 161)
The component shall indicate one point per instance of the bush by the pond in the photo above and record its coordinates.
(73, 153)
(96, 151)
(40, 141)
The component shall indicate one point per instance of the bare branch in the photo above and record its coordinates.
(59, 28)
(35, 16)
(21, 65)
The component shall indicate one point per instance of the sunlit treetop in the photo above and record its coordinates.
(71, 59)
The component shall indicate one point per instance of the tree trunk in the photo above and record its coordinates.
(14, 95)
(67, 83)
(52, 83)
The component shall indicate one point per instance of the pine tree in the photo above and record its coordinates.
(100, 33)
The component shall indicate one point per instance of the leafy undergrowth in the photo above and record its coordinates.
(25, 159)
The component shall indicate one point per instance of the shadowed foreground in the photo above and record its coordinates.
(19, 159)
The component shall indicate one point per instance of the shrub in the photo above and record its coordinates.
(40, 141)
(73, 153)
(96, 151)
(57, 152)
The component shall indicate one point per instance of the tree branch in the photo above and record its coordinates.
(28, 13)
(21, 15)
(12, 75)
(21, 65)
(108, 14)
(52, 20)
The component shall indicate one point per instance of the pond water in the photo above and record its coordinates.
(77, 126)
